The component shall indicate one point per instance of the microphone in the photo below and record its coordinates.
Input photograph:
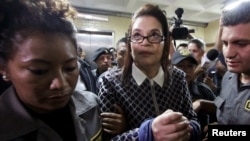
(209, 59)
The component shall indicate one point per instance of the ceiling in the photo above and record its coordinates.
(195, 11)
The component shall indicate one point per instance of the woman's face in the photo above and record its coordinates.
(44, 71)
(147, 54)
(196, 51)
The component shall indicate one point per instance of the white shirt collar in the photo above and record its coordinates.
(139, 76)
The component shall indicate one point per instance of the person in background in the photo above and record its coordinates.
(182, 46)
(86, 80)
(184, 60)
(81, 53)
(113, 52)
(121, 49)
(102, 57)
(235, 92)
(39, 57)
(216, 73)
(197, 48)
(214, 76)
(109, 119)
(154, 96)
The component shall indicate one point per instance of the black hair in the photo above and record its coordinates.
(122, 40)
(20, 19)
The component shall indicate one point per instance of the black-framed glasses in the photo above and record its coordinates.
(151, 38)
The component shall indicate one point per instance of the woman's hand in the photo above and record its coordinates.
(171, 126)
(114, 122)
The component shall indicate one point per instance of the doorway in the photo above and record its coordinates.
(89, 41)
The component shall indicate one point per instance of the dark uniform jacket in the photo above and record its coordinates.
(18, 124)
(87, 76)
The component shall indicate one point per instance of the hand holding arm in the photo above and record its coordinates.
(114, 123)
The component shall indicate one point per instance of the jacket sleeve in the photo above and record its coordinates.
(196, 132)
(145, 131)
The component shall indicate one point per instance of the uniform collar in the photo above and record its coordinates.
(16, 112)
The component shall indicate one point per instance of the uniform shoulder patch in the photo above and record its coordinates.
(247, 105)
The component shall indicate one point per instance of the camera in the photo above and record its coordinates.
(211, 74)
(178, 31)
(178, 21)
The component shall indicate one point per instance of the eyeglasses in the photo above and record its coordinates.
(152, 38)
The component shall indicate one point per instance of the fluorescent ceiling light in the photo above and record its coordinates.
(91, 29)
(92, 17)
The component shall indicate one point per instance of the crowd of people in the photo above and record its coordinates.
(141, 91)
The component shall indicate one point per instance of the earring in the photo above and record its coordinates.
(5, 78)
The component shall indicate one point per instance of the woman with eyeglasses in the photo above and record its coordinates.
(153, 95)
